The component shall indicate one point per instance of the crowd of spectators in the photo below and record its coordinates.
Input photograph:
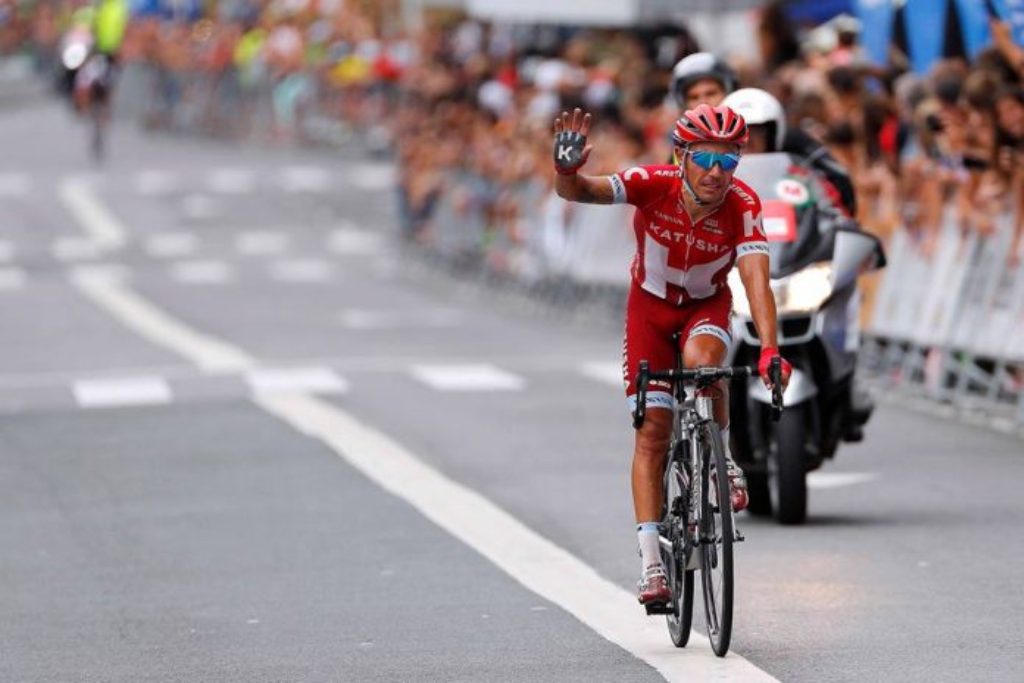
(467, 107)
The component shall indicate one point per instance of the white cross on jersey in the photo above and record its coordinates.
(697, 280)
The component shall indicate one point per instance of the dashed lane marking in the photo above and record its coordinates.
(12, 279)
(231, 181)
(349, 241)
(128, 391)
(474, 377)
(301, 270)
(15, 185)
(298, 179)
(309, 380)
(373, 177)
(606, 373)
(202, 272)
(367, 320)
(156, 183)
(171, 245)
(835, 480)
(259, 243)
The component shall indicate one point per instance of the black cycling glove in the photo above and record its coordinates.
(569, 151)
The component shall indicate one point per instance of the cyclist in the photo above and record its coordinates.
(693, 222)
(94, 82)
(702, 78)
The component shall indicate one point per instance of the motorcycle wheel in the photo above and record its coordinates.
(787, 471)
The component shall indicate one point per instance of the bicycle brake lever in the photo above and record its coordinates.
(640, 414)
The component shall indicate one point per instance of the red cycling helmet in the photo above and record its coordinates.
(711, 124)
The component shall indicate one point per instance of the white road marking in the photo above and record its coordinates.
(198, 207)
(156, 183)
(98, 222)
(136, 313)
(359, 242)
(372, 177)
(171, 245)
(604, 372)
(12, 278)
(231, 181)
(6, 250)
(301, 270)
(14, 184)
(365, 320)
(261, 242)
(128, 391)
(202, 272)
(308, 380)
(534, 561)
(76, 249)
(306, 179)
(470, 377)
(834, 480)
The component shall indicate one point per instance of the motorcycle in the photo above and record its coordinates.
(817, 254)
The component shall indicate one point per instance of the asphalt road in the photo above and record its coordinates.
(172, 508)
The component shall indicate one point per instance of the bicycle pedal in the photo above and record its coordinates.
(738, 537)
(658, 608)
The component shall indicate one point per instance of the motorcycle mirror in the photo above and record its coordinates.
(854, 254)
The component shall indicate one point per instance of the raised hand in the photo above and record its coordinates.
(571, 149)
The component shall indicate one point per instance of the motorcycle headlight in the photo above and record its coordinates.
(74, 56)
(805, 290)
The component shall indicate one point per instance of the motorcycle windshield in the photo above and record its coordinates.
(789, 201)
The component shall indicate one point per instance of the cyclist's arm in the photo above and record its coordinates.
(754, 274)
(597, 189)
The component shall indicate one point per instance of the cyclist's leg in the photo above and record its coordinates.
(649, 327)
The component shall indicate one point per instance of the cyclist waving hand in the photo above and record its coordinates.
(693, 222)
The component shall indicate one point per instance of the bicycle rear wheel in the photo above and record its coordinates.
(680, 619)
(716, 534)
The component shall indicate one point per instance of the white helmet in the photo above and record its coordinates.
(760, 108)
(697, 67)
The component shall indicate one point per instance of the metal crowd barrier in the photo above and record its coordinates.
(948, 321)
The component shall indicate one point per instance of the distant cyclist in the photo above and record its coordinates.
(702, 78)
(693, 222)
(94, 82)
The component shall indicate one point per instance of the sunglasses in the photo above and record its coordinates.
(707, 160)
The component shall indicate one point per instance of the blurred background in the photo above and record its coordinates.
(359, 194)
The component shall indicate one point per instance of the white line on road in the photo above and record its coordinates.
(202, 272)
(156, 183)
(471, 377)
(365, 320)
(372, 177)
(306, 179)
(14, 184)
(127, 391)
(259, 243)
(199, 207)
(150, 322)
(231, 181)
(347, 241)
(171, 245)
(529, 558)
(835, 480)
(11, 279)
(604, 372)
(97, 221)
(301, 270)
(295, 380)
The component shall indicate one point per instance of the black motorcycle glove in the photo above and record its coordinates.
(568, 151)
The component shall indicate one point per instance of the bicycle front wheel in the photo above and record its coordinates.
(716, 538)
(675, 559)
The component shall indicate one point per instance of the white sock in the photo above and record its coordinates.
(650, 545)
(725, 442)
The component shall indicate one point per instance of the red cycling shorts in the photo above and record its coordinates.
(650, 323)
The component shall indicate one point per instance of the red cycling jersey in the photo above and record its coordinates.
(680, 269)
(675, 259)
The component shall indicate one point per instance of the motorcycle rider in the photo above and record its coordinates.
(702, 78)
